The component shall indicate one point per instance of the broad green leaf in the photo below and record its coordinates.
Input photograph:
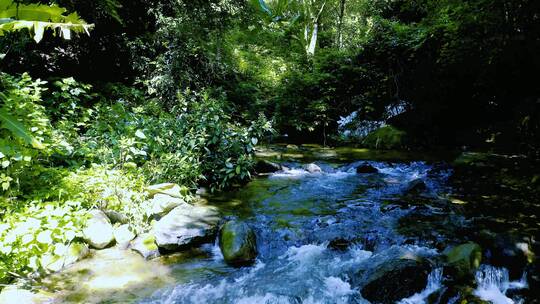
(18, 129)
(39, 17)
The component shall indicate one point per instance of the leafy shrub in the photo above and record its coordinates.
(385, 138)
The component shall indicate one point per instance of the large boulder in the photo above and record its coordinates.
(312, 168)
(506, 250)
(116, 217)
(98, 231)
(123, 235)
(186, 225)
(170, 189)
(145, 245)
(264, 167)
(366, 168)
(238, 244)
(161, 204)
(462, 261)
(396, 279)
(415, 187)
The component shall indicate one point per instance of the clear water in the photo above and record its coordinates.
(296, 214)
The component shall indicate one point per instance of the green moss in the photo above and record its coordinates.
(385, 138)
(283, 223)
(301, 212)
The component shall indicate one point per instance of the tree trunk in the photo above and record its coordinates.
(340, 24)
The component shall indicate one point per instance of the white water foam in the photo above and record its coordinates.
(493, 283)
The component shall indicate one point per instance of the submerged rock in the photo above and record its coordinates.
(312, 168)
(98, 232)
(462, 261)
(238, 244)
(366, 168)
(415, 187)
(396, 279)
(186, 225)
(145, 245)
(264, 166)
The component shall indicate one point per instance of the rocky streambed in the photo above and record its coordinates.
(326, 226)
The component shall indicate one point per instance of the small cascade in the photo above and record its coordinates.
(434, 283)
(493, 284)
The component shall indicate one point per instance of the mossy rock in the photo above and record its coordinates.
(462, 261)
(238, 244)
(385, 138)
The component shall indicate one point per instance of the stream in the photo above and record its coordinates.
(317, 231)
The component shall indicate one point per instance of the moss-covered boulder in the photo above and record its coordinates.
(387, 137)
(238, 244)
(462, 261)
(396, 279)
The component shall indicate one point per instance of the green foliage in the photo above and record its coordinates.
(32, 237)
(39, 17)
(385, 138)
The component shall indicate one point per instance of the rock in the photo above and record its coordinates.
(170, 189)
(415, 187)
(98, 232)
(264, 166)
(396, 279)
(14, 294)
(339, 244)
(505, 250)
(238, 244)
(75, 253)
(462, 261)
(162, 204)
(366, 168)
(145, 245)
(455, 294)
(186, 225)
(116, 217)
(312, 168)
(123, 235)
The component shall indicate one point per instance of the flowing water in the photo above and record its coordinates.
(297, 214)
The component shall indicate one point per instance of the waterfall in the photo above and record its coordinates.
(493, 284)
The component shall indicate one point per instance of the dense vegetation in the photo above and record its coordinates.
(133, 93)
